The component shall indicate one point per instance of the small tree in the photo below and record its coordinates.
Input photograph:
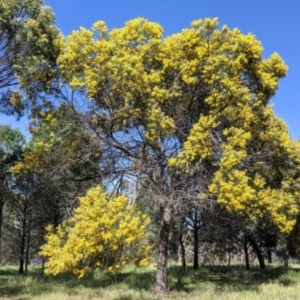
(102, 233)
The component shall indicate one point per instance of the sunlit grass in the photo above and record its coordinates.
(210, 282)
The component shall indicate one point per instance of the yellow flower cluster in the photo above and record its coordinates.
(15, 99)
(244, 190)
(35, 156)
(103, 233)
(234, 150)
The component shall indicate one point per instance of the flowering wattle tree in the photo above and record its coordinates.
(103, 233)
(186, 115)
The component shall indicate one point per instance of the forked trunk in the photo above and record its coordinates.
(161, 283)
(258, 253)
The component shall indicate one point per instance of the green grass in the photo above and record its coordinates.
(210, 282)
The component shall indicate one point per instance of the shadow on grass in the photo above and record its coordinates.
(234, 277)
(142, 280)
(37, 284)
(10, 291)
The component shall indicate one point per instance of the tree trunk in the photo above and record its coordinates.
(23, 241)
(1, 221)
(28, 243)
(22, 252)
(258, 253)
(286, 256)
(182, 248)
(246, 254)
(161, 283)
(196, 242)
(286, 261)
(269, 256)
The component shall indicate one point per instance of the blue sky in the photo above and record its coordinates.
(275, 23)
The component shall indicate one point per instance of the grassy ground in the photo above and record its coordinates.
(212, 282)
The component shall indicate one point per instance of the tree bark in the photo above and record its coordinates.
(28, 242)
(23, 241)
(286, 256)
(22, 251)
(246, 254)
(182, 252)
(258, 253)
(161, 283)
(196, 242)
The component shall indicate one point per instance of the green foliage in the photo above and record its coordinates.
(12, 144)
(11, 147)
(30, 44)
(59, 141)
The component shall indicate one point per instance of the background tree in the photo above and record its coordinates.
(65, 159)
(19, 228)
(11, 147)
(30, 44)
(58, 165)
